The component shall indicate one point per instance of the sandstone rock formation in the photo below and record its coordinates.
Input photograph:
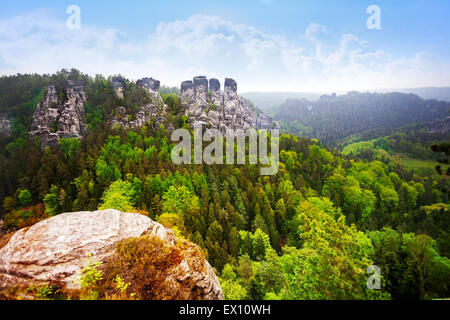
(155, 110)
(203, 103)
(208, 107)
(5, 125)
(440, 126)
(152, 86)
(56, 249)
(118, 84)
(54, 119)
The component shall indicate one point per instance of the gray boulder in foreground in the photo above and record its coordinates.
(56, 249)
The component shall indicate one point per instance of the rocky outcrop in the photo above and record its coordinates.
(440, 126)
(5, 125)
(203, 103)
(56, 250)
(152, 86)
(118, 84)
(54, 119)
(154, 111)
(208, 107)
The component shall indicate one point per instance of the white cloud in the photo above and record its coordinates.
(212, 46)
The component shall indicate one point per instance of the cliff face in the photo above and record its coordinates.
(209, 107)
(54, 119)
(57, 249)
(5, 125)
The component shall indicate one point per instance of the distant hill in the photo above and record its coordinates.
(438, 93)
(269, 100)
(333, 118)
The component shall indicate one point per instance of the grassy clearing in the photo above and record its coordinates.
(357, 147)
(426, 167)
(421, 166)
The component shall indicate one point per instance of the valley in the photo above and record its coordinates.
(95, 154)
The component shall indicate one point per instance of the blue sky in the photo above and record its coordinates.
(266, 45)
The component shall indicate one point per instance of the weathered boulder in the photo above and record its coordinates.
(56, 250)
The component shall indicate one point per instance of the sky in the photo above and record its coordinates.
(265, 45)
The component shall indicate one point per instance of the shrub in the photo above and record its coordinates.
(51, 201)
(26, 217)
(9, 203)
(120, 196)
(47, 292)
(140, 269)
(69, 146)
(24, 197)
(90, 275)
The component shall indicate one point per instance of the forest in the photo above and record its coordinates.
(333, 119)
(309, 232)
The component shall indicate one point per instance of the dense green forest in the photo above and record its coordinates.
(333, 119)
(309, 232)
